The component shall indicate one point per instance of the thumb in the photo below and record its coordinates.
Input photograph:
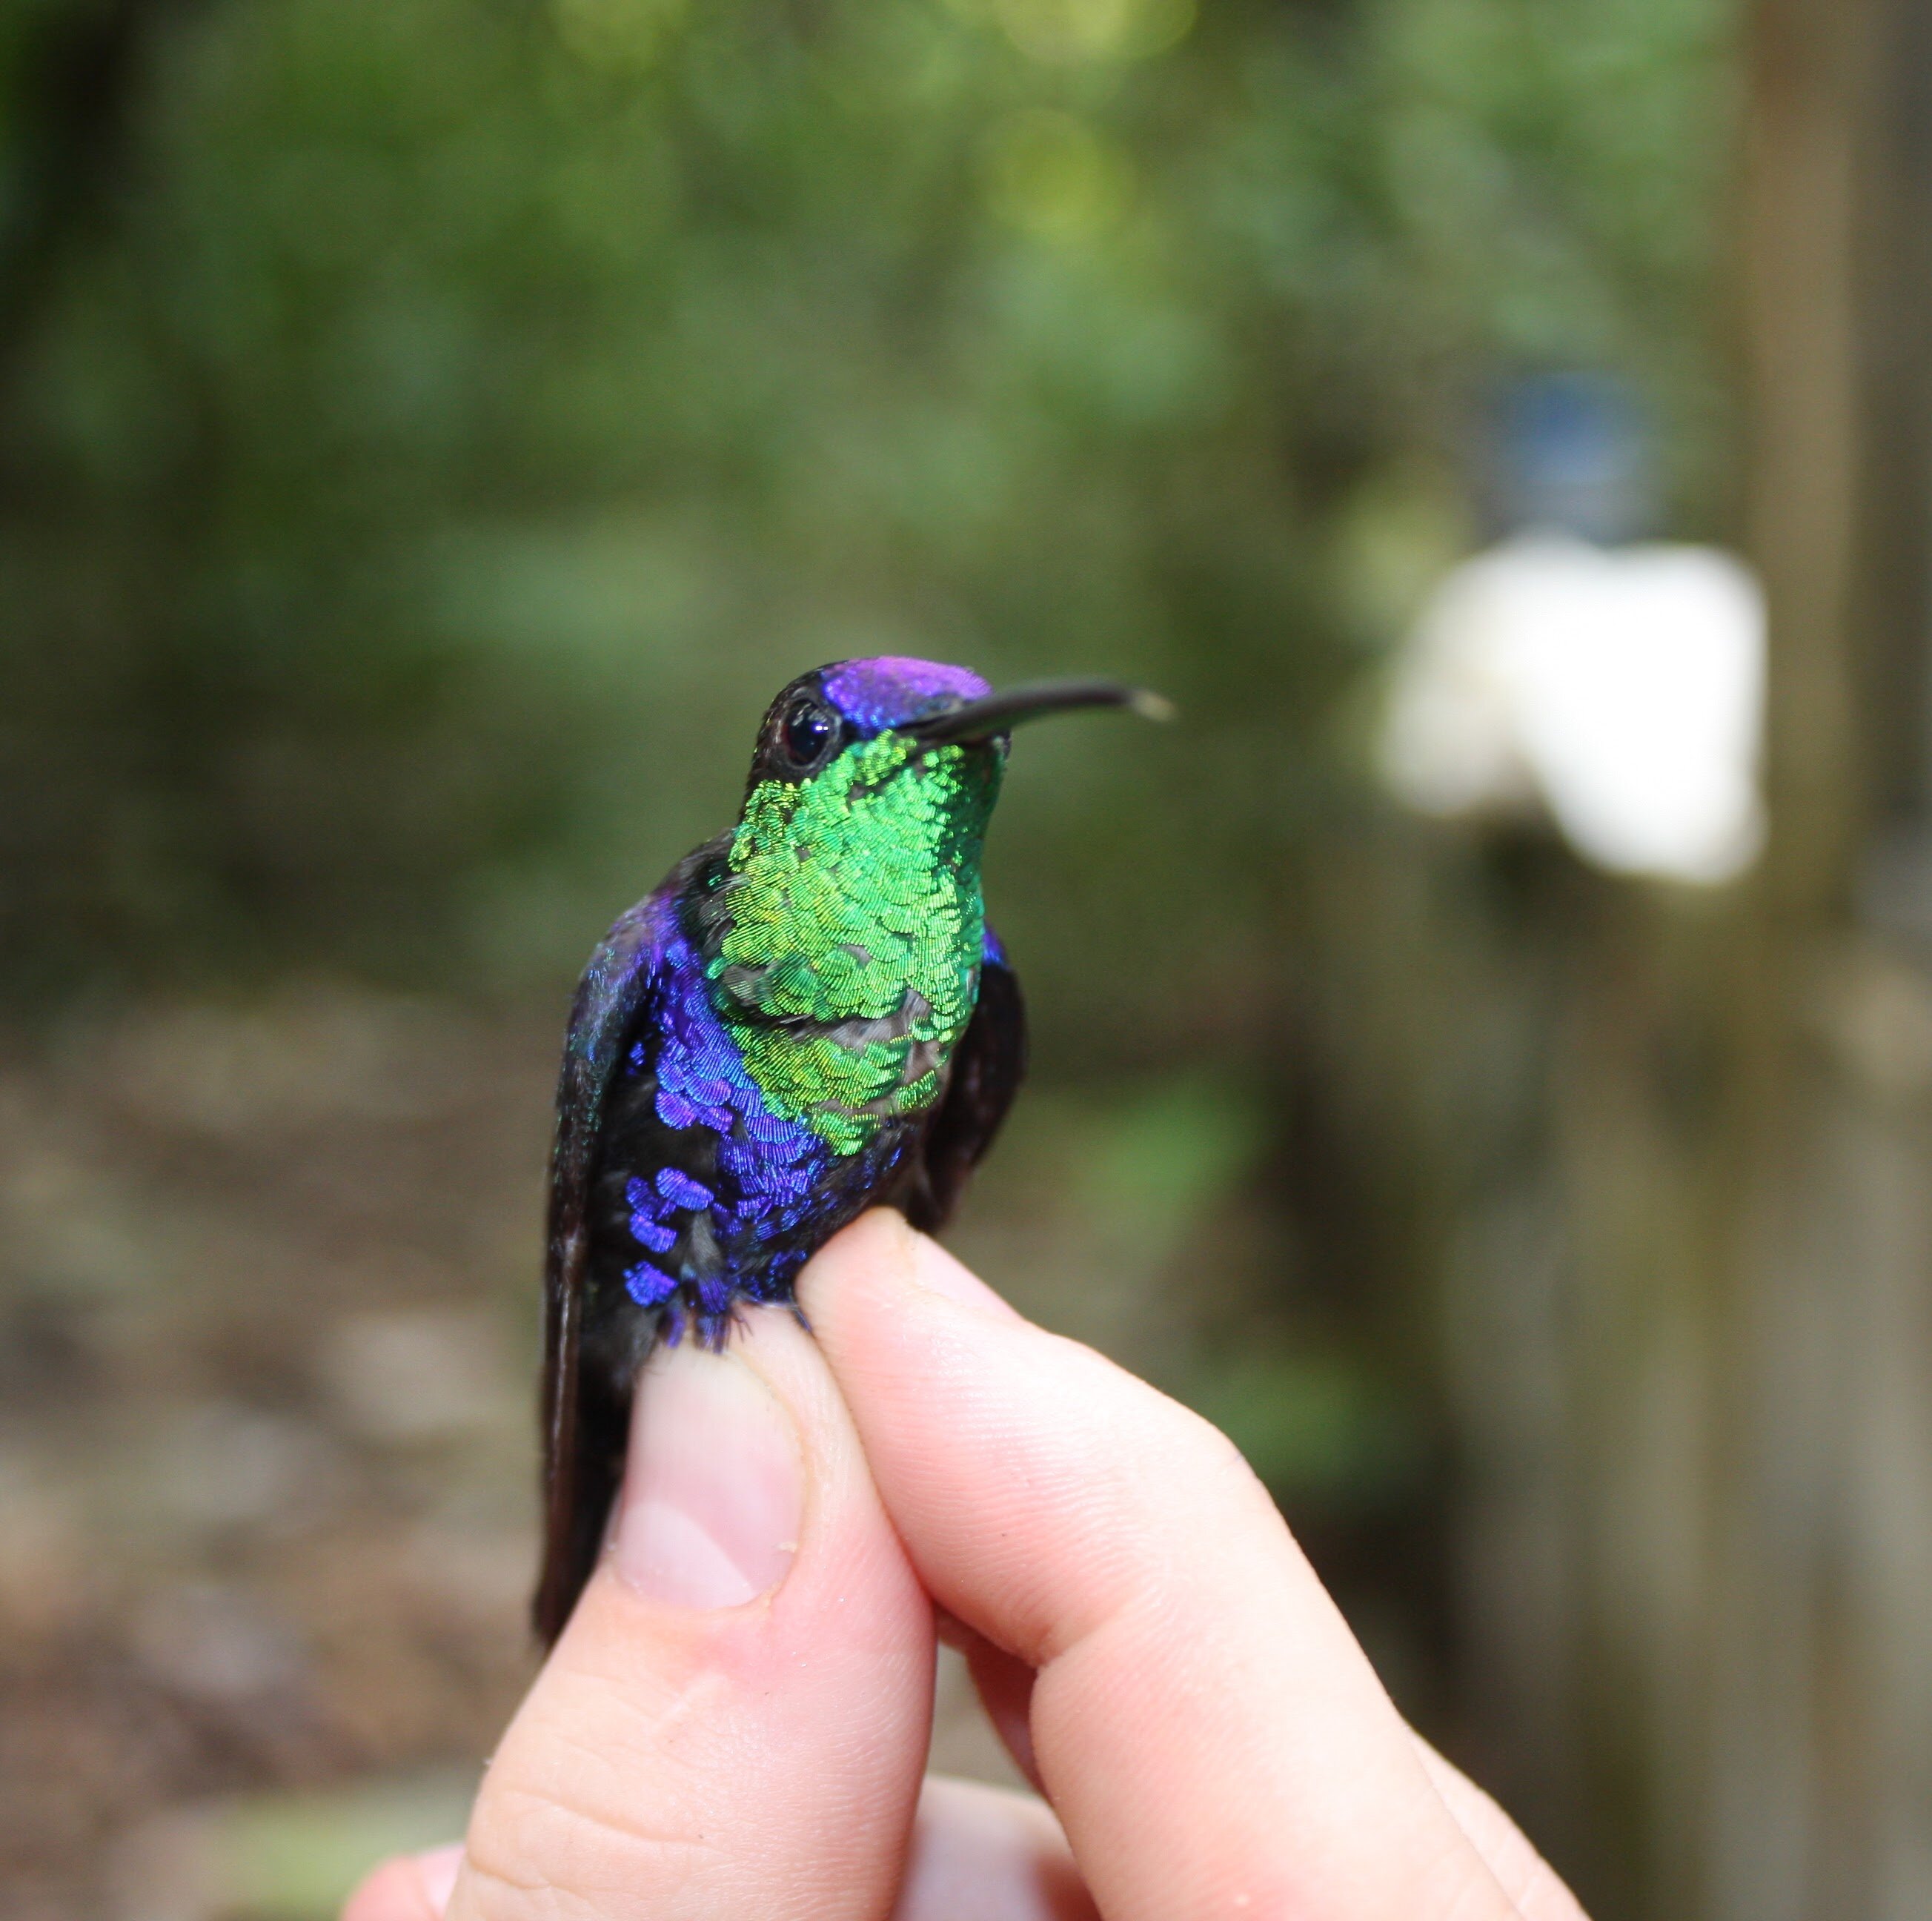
(735, 1720)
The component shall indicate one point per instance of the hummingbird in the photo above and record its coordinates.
(809, 1017)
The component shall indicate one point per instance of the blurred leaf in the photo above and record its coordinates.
(1313, 1426)
(284, 1856)
(1153, 1164)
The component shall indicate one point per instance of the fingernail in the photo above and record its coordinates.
(436, 1870)
(715, 1491)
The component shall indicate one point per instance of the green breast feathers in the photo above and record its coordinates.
(853, 922)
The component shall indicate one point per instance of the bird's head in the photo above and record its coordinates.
(855, 865)
(857, 726)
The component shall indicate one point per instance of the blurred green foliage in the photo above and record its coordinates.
(432, 428)
(287, 1856)
(1154, 1161)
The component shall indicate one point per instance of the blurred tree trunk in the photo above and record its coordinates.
(1692, 1339)
(1820, 1714)
(68, 105)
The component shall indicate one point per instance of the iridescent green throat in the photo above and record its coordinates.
(850, 960)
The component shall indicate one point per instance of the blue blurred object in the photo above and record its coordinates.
(1572, 454)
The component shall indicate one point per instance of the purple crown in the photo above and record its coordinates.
(889, 689)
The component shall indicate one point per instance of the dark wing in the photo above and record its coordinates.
(988, 1067)
(582, 1457)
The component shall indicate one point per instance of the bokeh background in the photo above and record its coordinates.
(429, 430)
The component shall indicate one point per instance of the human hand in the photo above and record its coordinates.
(735, 1720)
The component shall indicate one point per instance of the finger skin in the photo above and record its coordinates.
(982, 1853)
(1211, 1735)
(409, 1888)
(977, 1853)
(703, 1765)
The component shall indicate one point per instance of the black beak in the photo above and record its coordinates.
(999, 714)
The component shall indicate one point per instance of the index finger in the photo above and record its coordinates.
(1210, 1734)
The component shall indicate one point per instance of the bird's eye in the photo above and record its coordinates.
(808, 731)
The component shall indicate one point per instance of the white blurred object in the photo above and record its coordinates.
(1620, 689)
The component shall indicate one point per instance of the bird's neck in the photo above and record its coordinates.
(841, 931)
